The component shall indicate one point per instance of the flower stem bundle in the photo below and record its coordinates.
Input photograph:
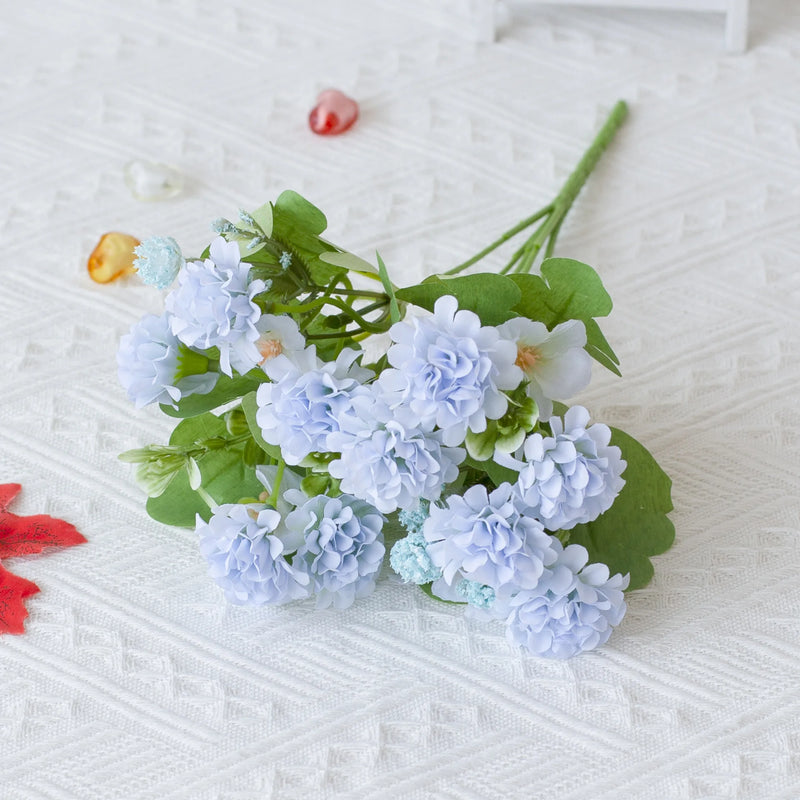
(451, 456)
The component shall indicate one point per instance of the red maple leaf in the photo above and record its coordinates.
(23, 536)
(13, 591)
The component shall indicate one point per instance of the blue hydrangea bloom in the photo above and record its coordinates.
(572, 476)
(213, 306)
(410, 560)
(483, 537)
(159, 260)
(388, 463)
(305, 404)
(476, 594)
(449, 371)
(574, 608)
(342, 546)
(148, 363)
(246, 546)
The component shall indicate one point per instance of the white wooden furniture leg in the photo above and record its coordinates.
(736, 26)
(484, 14)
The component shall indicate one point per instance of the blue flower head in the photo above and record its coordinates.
(572, 476)
(388, 463)
(483, 537)
(573, 609)
(449, 371)
(148, 362)
(309, 401)
(410, 560)
(341, 546)
(413, 521)
(159, 260)
(246, 546)
(213, 306)
(476, 594)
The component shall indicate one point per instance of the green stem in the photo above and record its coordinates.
(509, 234)
(221, 442)
(552, 241)
(376, 305)
(208, 499)
(299, 308)
(548, 230)
(555, 212)
(381, 324)
(272, 500)
(366, 325)
(574, 184)
(360, 293)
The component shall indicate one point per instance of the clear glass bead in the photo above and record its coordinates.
(148, 180)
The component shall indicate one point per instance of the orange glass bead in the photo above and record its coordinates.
(113, 257)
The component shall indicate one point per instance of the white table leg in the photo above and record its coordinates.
(485, 16)
(736, 26)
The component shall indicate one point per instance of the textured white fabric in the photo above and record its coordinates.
(135, 679)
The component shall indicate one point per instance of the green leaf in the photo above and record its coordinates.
(313, 485)
(225, 390)
(636, 526)
(480, 446)
(348, 261)
(265, 266)
(195, 429)
(393, 531)
(225, 477)
(263, 217)
(246, 250)
(296, 224)
(329, 349)
(496, 473)
(568, 289)
(250, 408)
(295, 211)
(426, 587)
(394, 309)
(598, 348)
(507, 433)
(489, 295)
(253, 455)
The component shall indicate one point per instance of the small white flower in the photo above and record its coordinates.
(554, 362)
(279, 335)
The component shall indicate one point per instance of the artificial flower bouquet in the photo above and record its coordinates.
(332, 422)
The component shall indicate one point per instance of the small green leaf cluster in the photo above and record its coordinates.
(321, 286)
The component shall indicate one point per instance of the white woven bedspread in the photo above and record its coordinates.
(134, 679)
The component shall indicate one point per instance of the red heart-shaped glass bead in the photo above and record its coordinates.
(334, 113)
